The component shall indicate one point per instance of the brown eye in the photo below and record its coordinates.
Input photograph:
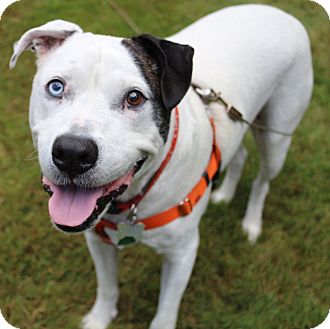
(134, 98)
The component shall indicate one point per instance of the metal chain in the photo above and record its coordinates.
(208, 95)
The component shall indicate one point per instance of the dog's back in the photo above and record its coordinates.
(246, 48)
(259, 58)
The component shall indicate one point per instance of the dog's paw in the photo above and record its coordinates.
(163, 323)
(252, 229)
(219, 195)
(97, 321)
(91, 322)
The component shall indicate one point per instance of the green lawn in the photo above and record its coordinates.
(47, 278)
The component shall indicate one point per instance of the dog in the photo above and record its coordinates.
(115, 119)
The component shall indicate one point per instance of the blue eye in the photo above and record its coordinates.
(55, 88)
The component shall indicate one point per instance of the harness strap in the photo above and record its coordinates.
(182, 209)
(186, 206)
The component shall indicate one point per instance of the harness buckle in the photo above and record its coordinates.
(132, 216)
(185, 207)
(208, 95)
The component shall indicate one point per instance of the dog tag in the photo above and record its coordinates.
(126, 234)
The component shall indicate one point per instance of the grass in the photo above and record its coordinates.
(47, 278)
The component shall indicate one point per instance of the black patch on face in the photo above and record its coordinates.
(152, 74)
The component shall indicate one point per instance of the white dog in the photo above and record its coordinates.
(106, 113)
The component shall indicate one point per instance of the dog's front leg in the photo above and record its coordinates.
(176, 271)
(105, 261)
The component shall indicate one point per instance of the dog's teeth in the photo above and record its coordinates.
(47, 189)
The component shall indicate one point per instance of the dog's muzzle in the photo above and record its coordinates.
(74, 208)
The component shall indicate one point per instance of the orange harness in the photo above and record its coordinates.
(182, 209)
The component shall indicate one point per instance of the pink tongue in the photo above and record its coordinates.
(71, 206)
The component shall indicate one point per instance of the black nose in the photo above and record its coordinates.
(74, 155)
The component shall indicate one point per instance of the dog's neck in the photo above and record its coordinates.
(193, 148)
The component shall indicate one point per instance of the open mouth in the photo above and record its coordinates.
(74, 209)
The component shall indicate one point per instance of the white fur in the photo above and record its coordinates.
(257, 56)
(97, 87)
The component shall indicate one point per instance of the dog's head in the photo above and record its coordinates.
(100, 106)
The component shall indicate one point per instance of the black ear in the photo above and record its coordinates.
(175, 64)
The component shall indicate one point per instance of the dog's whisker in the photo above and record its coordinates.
(32, 156)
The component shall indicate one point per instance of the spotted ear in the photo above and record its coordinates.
(175, 62)
(43, 38)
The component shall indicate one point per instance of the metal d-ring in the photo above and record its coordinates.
(132, 214)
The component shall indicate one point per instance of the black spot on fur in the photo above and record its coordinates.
(152, 74)
(167, 67)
